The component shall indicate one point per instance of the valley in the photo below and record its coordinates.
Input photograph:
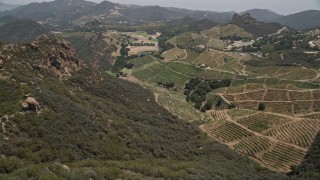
(114, 91)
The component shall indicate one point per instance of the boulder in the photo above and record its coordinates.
(30, 104)
(65, 45)
(34, 46)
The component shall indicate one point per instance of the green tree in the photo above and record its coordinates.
(261, 107)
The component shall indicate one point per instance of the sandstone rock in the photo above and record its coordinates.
(63, 55)
(66, 168)
(1, 64)
(65, 45)
(30, 104)
(246, 18)
(34, 46)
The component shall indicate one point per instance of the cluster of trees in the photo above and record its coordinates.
(162, 41)
(234, 38)
(168, 85)
(142, 44)
(122, 61)
(196, 91)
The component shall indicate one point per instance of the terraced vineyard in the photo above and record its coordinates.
(262, 121)
(218, 115)
(301, 132)
(237, 113)
(227, 132)
(276, 95)
(253, 95)
(313, 115)
(282, 157)
(252, 145)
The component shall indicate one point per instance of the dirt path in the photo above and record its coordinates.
(186, 54)
(156, 97)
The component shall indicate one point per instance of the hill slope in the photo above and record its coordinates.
(301, 21)
(100, 126)
(263, 15)
(251, 25)
(5, 7)
(21, 30)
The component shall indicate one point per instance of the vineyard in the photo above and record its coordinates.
(301, 132)
(282, 157)
(269, 113)
(263, 121)
(227, 131)
(276, 141)
(218, 115)
(252, 145)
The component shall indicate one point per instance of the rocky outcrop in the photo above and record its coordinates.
(245, 18)
(45, 53)
(30, 104)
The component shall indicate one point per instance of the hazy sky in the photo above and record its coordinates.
(280, 6)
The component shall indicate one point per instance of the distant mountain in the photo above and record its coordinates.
(263, 15)
(253, 26)
(301, 21)
(41, 11)
(5, 7)
(219, 17)
(188, 24)
(152, 13)
(7, 19)
(22, 31)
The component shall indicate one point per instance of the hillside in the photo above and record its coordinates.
(301, 21)
(21, 30)
(263, 15)
(69, 121)
(5, 7)
(44, 10)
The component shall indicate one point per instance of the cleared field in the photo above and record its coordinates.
(300, 95)
(252, 145)
(141, 49)
(207, 59)
(316, 106)
(237, 113)
(299, 74)
(174, 54)
(316, 94)
(300, 132)
(276, 95)
(253, 87)
(254, 95)
(279, 107)
(253, 105)
(216, 44)
(235, 90)
(227, 30)
(141, 61)
(186, 69)
(191, 56)
(282, 157)
(301, 107)
(291, 73)
(262, 121)
(227, 131)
